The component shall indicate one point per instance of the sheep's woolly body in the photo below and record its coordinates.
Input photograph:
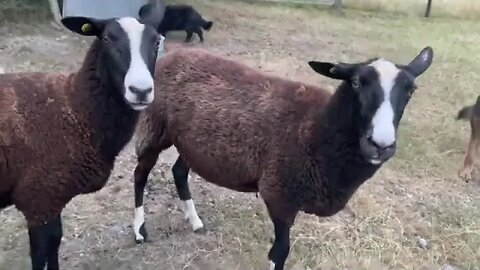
(59, 136)
(247, 131)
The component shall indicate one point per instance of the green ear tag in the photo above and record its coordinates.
(86, 28)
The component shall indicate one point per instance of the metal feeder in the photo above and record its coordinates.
(102, 9)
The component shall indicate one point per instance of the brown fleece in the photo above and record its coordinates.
(56, 137)
(238, 128)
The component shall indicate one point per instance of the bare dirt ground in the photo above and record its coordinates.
(415, 195)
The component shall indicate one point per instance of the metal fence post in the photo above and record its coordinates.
(429, 7)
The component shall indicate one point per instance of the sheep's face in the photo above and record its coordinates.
(128, 54)
(381, 91)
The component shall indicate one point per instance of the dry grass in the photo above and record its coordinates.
(24, 10)
(416, 195)
(467, 9)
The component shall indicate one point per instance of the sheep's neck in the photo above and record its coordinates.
(338, 149)
(110, 121)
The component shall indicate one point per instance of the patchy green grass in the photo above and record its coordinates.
(418, 194)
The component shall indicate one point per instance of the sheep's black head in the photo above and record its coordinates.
(128, 51)
(381, 90)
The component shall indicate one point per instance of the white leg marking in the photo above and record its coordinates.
(138, 74)
(382, 121)
(138, 222)
(188, 208)
(192, 176)
(272, 265)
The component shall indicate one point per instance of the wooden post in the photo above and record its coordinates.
(429, 7)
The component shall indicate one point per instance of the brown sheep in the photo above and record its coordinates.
(60, 133)
(301, 147)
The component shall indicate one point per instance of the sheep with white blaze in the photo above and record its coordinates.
(300, 146)
(61, 133)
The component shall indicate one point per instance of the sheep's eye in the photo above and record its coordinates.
(356, 82)
(106, 39)
(411, 90)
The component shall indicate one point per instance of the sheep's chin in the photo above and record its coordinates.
(375, 161)
(138, 107)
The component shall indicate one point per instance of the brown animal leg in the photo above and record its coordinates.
(466, 171)
(44, 244)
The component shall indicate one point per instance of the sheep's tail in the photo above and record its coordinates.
(207, 25)
(465, 113)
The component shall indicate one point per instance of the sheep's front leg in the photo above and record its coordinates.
(281, 247)
(189, 35)
(282, 218)
(146, 161)
(44, 244)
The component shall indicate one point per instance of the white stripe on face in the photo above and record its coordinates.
(138, 75)
(382, 121)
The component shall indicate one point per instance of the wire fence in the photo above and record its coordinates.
(313, 2)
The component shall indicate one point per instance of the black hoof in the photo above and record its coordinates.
(200, 231)
(143, 232)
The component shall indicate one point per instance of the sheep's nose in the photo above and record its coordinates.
(136, 90)
(381, 147)
(141, 94)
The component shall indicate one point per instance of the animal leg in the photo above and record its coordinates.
(180, 175)
(56, 235)
(189, 35)
(282, 220)
(44, 244)
(199, 33)
(146, 161)
(466, 171)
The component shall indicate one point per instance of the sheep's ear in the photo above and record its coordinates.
(339, 71)
(84, 26)
(420, 63)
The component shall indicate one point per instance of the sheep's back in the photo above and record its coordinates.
(229, 120)
(32, 109)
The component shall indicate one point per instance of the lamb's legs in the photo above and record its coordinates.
(189, 35)
(146, 161)
(44, 244)
(199, 33)
(180, 175)
(282, 219)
